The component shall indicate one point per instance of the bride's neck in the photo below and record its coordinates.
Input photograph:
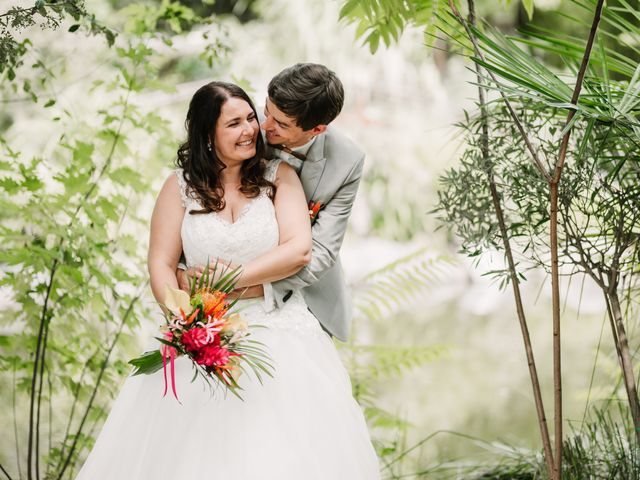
(231, 176)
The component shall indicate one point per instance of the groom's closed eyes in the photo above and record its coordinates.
(267, 114)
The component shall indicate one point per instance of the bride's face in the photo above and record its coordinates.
(236, 131)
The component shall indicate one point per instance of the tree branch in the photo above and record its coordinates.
(36, 363)
(103, 368)
(516, 119)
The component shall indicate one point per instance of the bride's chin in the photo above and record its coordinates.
(249, 155)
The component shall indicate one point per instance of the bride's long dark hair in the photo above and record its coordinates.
(201, 167)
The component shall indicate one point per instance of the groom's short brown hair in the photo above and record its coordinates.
(308, 92)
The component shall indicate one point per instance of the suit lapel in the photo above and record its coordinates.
(313, 168)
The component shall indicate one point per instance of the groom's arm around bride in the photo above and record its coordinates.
(302, 101)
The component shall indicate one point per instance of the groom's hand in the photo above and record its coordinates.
(220, 267)
(183, 280)
(188, 275)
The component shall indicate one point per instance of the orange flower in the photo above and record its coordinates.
(213, 303)
(192, 317)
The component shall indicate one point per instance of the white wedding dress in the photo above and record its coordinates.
(302, 424)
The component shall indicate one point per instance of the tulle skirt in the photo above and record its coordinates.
(301, 424)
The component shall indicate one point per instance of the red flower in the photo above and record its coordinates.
(195, 338)
(213, 356)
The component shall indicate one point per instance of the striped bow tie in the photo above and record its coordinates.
(298, 155)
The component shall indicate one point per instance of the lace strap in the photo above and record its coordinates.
(272, 168)
(182, 183)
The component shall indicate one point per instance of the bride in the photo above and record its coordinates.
(226, 202)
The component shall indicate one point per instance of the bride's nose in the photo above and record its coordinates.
(248, 127)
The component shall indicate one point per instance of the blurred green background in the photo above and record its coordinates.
(465, 396)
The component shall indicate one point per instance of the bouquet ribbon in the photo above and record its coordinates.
(170, 352)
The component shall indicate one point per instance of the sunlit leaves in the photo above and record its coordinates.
(46, 15)
(67, 257)
(385, 20)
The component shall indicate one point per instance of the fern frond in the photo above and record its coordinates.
(385, 361)
(389, 289)
(380, 418)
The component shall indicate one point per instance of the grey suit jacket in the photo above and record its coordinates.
(330, 175)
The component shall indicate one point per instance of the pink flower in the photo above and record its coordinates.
(195, 338)
(213, 356)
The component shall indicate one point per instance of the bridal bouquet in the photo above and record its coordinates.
(202, 326)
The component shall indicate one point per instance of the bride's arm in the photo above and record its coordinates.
(294, 249)
(165, 243)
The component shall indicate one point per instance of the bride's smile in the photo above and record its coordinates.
(236, 132)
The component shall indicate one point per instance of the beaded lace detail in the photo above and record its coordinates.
(206, 237)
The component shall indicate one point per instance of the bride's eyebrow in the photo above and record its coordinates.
(235, 119)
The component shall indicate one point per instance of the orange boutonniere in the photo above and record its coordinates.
(314, 208)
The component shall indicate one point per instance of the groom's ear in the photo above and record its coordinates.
(318, 129)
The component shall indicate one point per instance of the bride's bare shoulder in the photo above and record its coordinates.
(173, 190)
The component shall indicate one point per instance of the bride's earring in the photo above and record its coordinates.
(209, 146)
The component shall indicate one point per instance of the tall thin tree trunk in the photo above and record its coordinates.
(515, 284)
(33, 426)
(625, 360)
(553, 239)
(557, 352)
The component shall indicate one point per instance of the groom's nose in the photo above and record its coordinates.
(266, 124)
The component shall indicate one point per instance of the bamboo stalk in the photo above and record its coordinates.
(34, 376)
(557, 344)
(15, 423)
(39, 402)
(516, 119)
(495, 196)
(553, 241)
(515, 284)
(597, 272)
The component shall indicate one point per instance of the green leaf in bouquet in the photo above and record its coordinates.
(228, 281)
(225, 283)
(147, 363)
(233, 303)
(169, 343)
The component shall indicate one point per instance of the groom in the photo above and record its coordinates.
(302, 101)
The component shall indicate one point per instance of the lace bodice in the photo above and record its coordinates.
(210, 236)
(206, 237)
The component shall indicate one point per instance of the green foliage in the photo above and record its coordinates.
(599, 199)
(73, 284)
(396, 212)
(378, 298)
(74, 245)
(604, 447)
(385, 20)
(388, 289)
(46, 15)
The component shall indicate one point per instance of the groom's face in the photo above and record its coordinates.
(281, 129)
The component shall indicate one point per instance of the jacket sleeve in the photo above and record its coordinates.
(328, 233)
